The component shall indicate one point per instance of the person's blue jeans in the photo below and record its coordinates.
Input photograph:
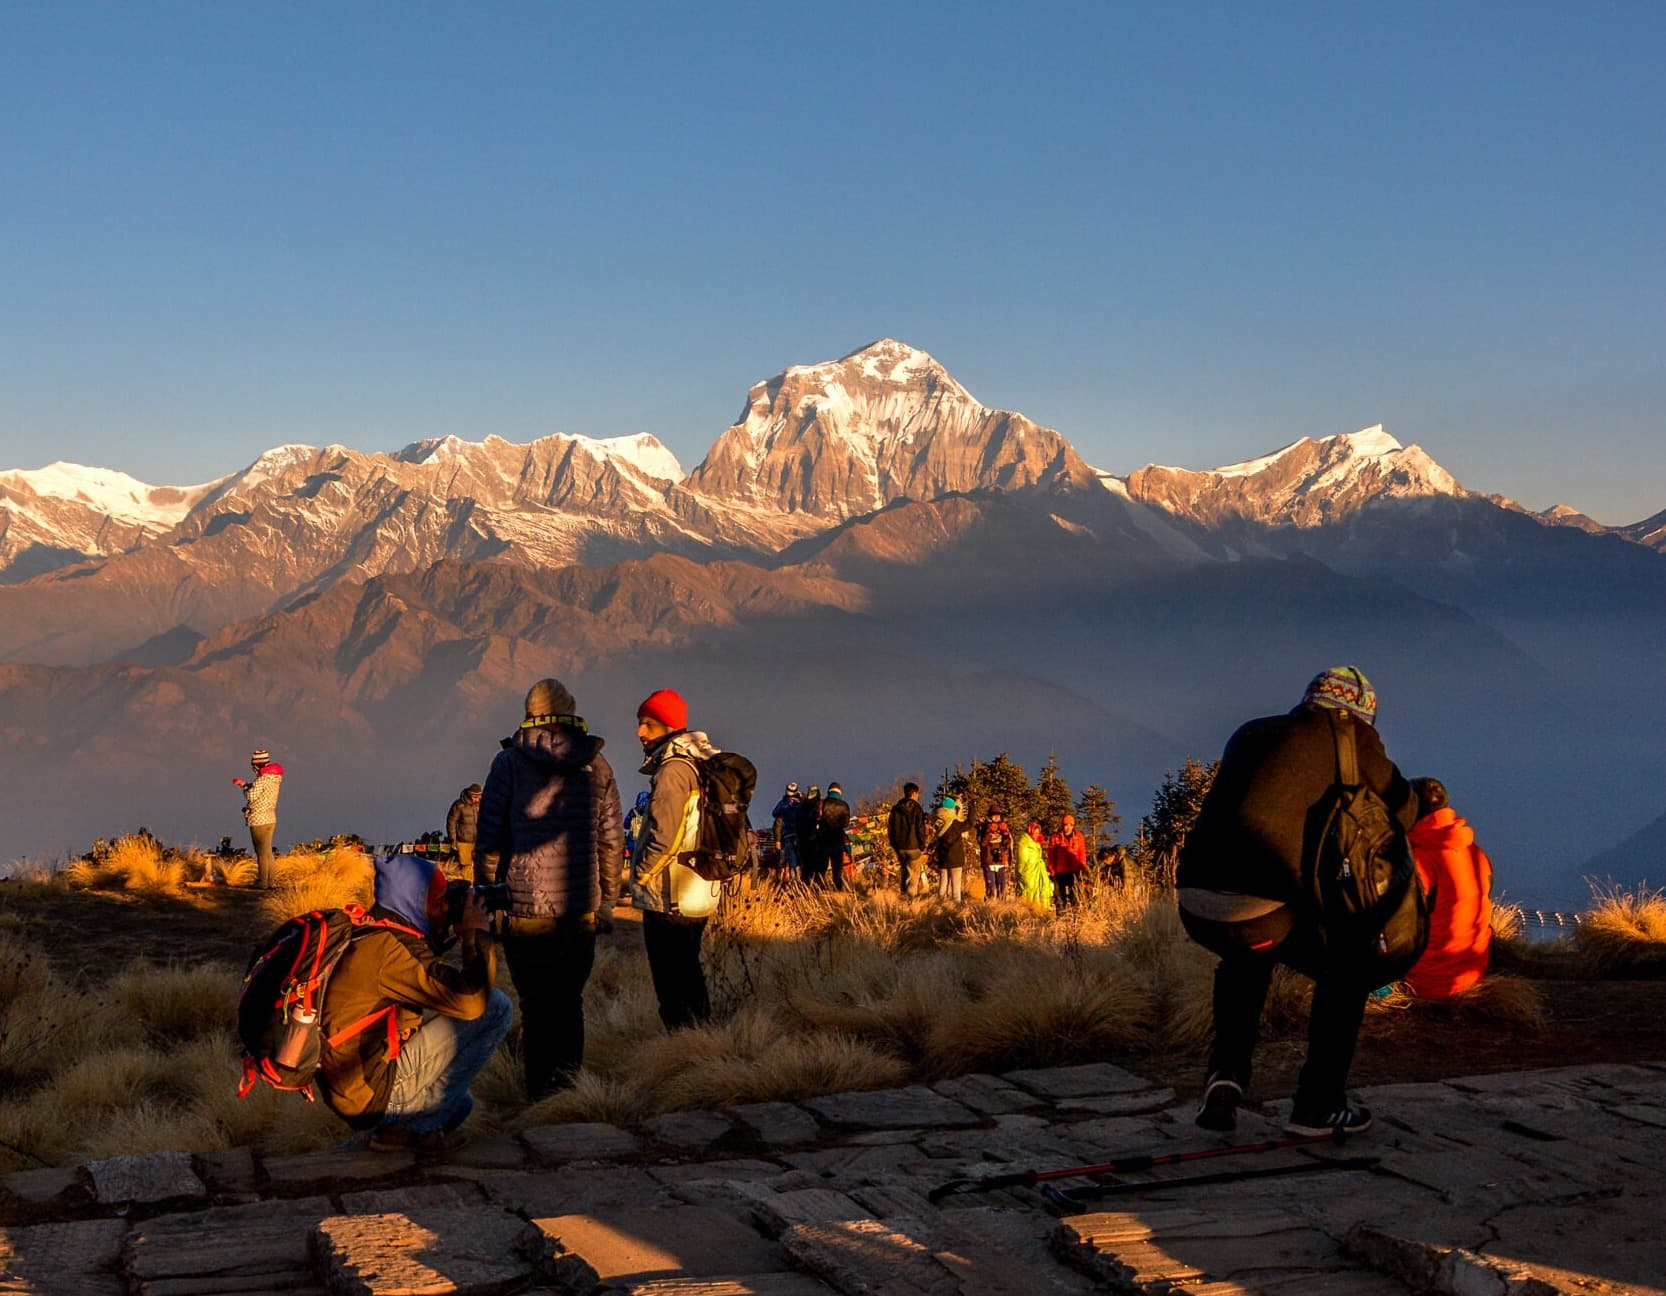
(437, 1065)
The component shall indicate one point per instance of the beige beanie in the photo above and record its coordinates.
(549, 697)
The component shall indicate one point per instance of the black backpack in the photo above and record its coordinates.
(282, 999)
(1373, 912)
(727, 780)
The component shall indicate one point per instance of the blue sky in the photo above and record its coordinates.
(1181, 234)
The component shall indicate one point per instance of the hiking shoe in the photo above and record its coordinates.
(440, 1140)
(1219, 1111)
(1345, 1120)
(391, 1138)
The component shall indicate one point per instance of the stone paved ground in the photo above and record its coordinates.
(1520, 1185)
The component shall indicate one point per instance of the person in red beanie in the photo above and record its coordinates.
(675, 901)
(1458, 877)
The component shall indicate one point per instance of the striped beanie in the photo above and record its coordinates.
(1343, 688)
(260, 756)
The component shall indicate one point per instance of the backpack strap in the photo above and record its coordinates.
(1347, 755)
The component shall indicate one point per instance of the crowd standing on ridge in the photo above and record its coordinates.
(1309, 850)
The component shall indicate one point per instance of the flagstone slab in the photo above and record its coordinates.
(778, 1124)
(626, 1246)
(560, 1192)
(1094, 1079)
(587, 1141)
(913, 1107)
(986, 1093)
(43, 1185)
(1162, 1250)
(863, 1256)
(333, 1165)
(1140, 1103)
(744, 1169)
(422, 1197)
(77, 1258)
(986, 1249)
(768, 1284)
(229, 1170)
(690, 1130)
(226, 1246)
(491, 1152)
(156, 1177)
(447, 1251)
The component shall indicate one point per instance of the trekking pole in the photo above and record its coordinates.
(1127, 1165)
(1076, 1198)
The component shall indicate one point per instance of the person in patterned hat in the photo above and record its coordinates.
(260, 813)
(1241, 893)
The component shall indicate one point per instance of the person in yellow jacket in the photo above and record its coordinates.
(1034, 883)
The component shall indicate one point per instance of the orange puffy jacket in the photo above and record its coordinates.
(1460, 923)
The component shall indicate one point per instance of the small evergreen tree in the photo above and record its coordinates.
(1173, 812)
(1051, 800)
(1096, 813)
(976, 787)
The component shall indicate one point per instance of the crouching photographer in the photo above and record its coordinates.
(550, 817)
(408, 1081)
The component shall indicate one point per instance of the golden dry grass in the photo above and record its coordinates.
(309, 880)
(816, 992)
(1624, 932)
(137, 862)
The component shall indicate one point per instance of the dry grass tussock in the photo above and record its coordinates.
(1624, 933)
(137, 862)
(309, 880)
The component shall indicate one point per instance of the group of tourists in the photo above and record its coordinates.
(545, 832)
(1255, 884)
(1034, 865)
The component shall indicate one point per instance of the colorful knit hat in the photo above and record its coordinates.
(1343, 688)
(260, 756)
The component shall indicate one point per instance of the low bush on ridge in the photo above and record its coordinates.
(816, 992)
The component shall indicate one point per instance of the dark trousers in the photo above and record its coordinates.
(550, 961)
(266, 867)
(1242, 980)
(1064, 889)
(995, 882)
(673, 948)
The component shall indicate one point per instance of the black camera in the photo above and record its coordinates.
(493, 895)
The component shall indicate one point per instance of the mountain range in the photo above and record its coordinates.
(870, 574)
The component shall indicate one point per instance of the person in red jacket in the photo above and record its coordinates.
(1458, 877)
(1067, 856)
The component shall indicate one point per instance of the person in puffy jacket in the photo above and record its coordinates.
(1035, 884)
(1241, 894)
(549, 815)
(676, 902)
(996, 853)
(952, 848)
(260, 813)
(832, 838)
(1458, 877)
(1067, 857)
(462, 825)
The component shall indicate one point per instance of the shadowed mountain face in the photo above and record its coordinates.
(869, 576)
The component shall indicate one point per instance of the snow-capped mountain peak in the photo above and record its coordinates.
(824, 442)
(109, 492)
(1305, 483)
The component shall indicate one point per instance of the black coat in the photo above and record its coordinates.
(906, 827)
(1263, 813)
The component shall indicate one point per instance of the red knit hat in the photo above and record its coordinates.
(667, 707)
